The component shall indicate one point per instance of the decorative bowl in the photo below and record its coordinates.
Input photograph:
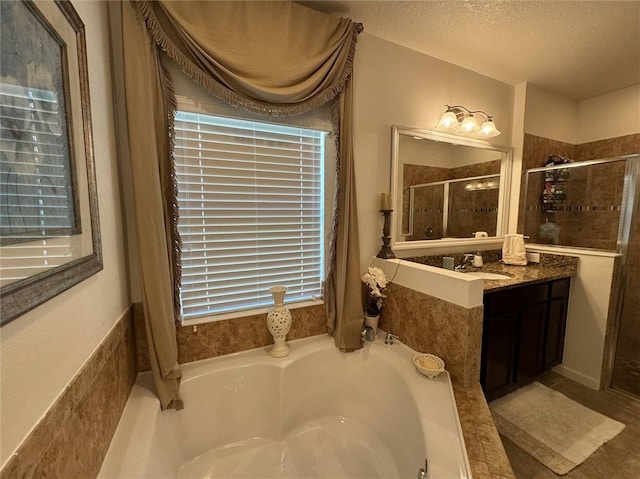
(428, 364)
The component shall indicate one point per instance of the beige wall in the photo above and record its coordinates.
(609, 116)
(396, 85)
(43, 350)
(550, 115)
(553, 116)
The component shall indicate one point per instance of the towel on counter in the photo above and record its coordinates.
(513, 251)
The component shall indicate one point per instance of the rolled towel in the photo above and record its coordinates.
(513, 251)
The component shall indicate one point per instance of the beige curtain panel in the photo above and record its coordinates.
(149, 147)
(271, 58)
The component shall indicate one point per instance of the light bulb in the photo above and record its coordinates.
(448, 121)
(469, 125)
(488, 130)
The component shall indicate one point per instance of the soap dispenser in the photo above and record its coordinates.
(477, 260)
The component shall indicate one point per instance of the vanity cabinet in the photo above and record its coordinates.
(523, 334)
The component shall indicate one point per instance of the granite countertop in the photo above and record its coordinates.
(562, 267)
(487, 457)
(551, 266)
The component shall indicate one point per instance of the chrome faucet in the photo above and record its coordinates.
(367, 333)
(468, 259)
(389, 338)
(422, 472)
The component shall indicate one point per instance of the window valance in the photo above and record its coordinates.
(278, 58)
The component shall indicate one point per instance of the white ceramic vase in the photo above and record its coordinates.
(372, 321)
(279, 323)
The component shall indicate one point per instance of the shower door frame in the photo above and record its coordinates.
(629, 214)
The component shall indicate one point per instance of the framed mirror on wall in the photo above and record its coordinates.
(447, 190)
(49, 226)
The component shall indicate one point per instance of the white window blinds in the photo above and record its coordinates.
(35, 186)
(251, 199)
(37, 213)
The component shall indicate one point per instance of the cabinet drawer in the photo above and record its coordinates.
(509, 300)
(560, 288)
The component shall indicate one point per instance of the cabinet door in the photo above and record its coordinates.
(554, 334)
(498, 354)
(531, 338)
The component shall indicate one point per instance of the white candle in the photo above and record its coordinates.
(385, 202)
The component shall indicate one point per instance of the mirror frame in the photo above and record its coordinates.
(503, 195)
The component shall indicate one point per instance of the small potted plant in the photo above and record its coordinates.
(376, 282)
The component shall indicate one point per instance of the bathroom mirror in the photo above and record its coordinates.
(447, 189)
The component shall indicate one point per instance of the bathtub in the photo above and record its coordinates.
(317, 413)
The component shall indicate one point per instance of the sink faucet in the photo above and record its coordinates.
(468, 259)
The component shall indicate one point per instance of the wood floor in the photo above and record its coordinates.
(618, 459)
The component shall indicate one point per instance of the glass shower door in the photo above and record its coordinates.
(626, 362)
(595, 205)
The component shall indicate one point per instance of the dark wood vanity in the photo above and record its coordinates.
(523, 334)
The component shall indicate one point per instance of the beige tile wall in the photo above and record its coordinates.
(423, 322)
(73, 437)
(213, 339)
(432, 325)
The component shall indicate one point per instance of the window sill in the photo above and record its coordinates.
(247, 313)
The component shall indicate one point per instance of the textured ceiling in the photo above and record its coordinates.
(579, 49)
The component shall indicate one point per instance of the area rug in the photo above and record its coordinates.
(557, 431)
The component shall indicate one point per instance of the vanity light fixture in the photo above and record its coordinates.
(462, 121)
(482, 185)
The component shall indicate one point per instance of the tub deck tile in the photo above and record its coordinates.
(486, 453)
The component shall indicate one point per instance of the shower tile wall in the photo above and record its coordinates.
(471, 211)
(467, 209)
(428, 202)
(590, 216)
(535, 151)
(620, 146)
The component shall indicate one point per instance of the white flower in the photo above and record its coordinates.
(376, 280)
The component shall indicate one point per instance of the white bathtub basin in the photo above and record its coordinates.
(318, 413)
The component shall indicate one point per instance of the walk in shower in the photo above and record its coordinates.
(594, 204)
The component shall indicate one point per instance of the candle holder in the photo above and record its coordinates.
(386, 252)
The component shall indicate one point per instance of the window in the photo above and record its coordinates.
(252, 212)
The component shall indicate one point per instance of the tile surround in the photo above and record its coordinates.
(432, 325)
(73, 437)
(486, 453)
(216, 338)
